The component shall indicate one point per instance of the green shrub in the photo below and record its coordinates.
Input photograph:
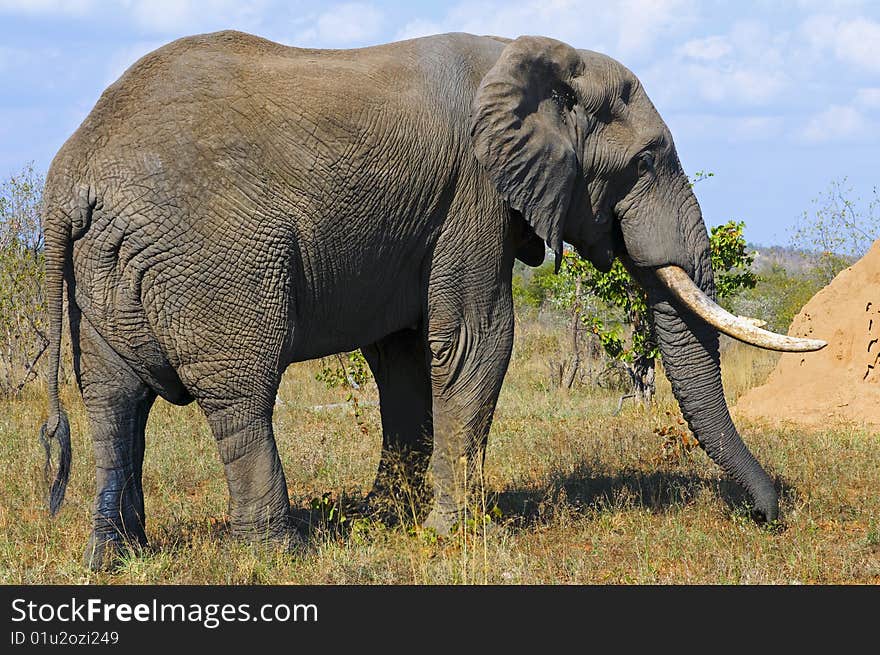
(22, 304)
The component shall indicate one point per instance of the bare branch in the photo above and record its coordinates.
(31, 371)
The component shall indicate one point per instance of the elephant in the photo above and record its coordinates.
(232, 205)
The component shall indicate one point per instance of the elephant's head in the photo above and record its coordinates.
(571, 141)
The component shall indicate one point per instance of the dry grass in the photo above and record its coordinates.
(581, 496)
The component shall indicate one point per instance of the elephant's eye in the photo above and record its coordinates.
(646, 163)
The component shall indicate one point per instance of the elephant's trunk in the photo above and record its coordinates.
(691, 362)
(679, 244)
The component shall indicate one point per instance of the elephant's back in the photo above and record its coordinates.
(203, 85)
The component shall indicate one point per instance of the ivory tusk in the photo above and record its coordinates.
(738, 327)
(757, 322)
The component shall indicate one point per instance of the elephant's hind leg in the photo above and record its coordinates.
(400, 365)
(118, 404)
(240, 418)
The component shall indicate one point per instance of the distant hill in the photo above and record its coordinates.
(793, 260)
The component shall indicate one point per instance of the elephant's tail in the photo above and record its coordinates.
(60, 230)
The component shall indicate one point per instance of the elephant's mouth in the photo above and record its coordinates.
(744, 329)
(601, 255)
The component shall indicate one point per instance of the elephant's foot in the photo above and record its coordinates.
(105, 551)
(379, 506)
(278, 532)
(391, 504)
(291, 542)
(442, 521)
(387, 510)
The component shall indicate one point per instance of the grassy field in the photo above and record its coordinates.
(574, 494)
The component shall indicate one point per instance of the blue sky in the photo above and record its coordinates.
(776, 97)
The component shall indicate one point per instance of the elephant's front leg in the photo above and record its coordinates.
(400, 365)
(470, 350)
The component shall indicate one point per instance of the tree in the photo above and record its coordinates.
(624, 329)
(22, 304)
(731, 259)
(839, 230)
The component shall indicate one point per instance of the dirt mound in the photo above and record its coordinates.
(841, 382)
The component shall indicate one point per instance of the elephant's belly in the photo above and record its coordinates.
(355, 321)
(310, 342)
(339, 304)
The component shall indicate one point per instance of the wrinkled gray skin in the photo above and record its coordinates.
(232, 205)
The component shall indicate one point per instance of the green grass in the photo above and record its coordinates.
(582, 496)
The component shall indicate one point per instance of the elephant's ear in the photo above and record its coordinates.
(522, 132)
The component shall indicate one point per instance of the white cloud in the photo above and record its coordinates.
(163, 15)
(731, 71)
(757, 128)
(868, 98)
(707, 49)
(855, 41)
(34, 69)
(343, 25)
(643, 21)
(860, 43)
(157, 16)
(838, 123)
(785, 71)
(420, 27)
(851, 122)
(189, 16)
(625, 29)
(836, 5)
(730, 129)
(41, 7)
(729, 86)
